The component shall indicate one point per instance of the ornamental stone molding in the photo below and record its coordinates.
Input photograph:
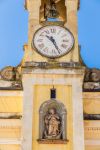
(91, 80)
(10, 74)
(10, 78)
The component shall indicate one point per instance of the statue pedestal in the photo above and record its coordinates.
(45, 141)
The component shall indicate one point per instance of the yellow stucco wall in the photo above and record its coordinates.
(13, 104)
(10, 129)
(92, 148)
(10, 104)
(91, 102)
(92, 129)
(64, 95)
(9, 133)
(9, 147)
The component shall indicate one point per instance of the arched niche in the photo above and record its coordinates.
(60, 6)
(61, 115)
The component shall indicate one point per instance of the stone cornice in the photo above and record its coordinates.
(91, 116)
(69, 71)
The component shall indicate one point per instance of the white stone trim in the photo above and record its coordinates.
(11, 93)
(73, 78)
(92, 124)
(67, 71)
(27, 119)
(91, 95)
(10, 141)
(6, 123)
(92, 142)
(78, 128)
(48, 81)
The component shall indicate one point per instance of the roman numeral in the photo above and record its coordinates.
(63, 35)
(65, 41)
(54, 51)
(47, 31)
(64, 46)
(41, 45)
(39, 40)
(42, 34)
(45, 49)
(53, 30)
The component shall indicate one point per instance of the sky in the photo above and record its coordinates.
(14, 32)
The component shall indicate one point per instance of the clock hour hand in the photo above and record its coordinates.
(54, 42)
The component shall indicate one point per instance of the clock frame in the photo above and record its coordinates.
(56, 56)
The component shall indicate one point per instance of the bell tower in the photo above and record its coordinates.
(52, 78)
(67, 17)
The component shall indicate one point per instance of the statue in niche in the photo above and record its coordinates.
(50, 10)
(52, 122)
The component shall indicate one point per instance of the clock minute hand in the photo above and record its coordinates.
(54, 42)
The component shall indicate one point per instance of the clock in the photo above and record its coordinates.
(53, 41)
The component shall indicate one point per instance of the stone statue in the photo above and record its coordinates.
(52, 123)
(50, 10)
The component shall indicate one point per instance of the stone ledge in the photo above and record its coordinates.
(52, 64)
(91, 116)
(11, 88)
(45, 141)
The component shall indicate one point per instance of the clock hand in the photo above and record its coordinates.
(54, 42)
(49, 37)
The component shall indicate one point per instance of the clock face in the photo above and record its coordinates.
(53, 41)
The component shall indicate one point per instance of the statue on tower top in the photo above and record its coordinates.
(50, 10)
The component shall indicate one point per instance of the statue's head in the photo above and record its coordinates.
(52, 111)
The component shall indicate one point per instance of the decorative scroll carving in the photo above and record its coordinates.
(10, 74)
(92, 75)
(91, 86)
(52, 121)
(10, 78)
(92, 80)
